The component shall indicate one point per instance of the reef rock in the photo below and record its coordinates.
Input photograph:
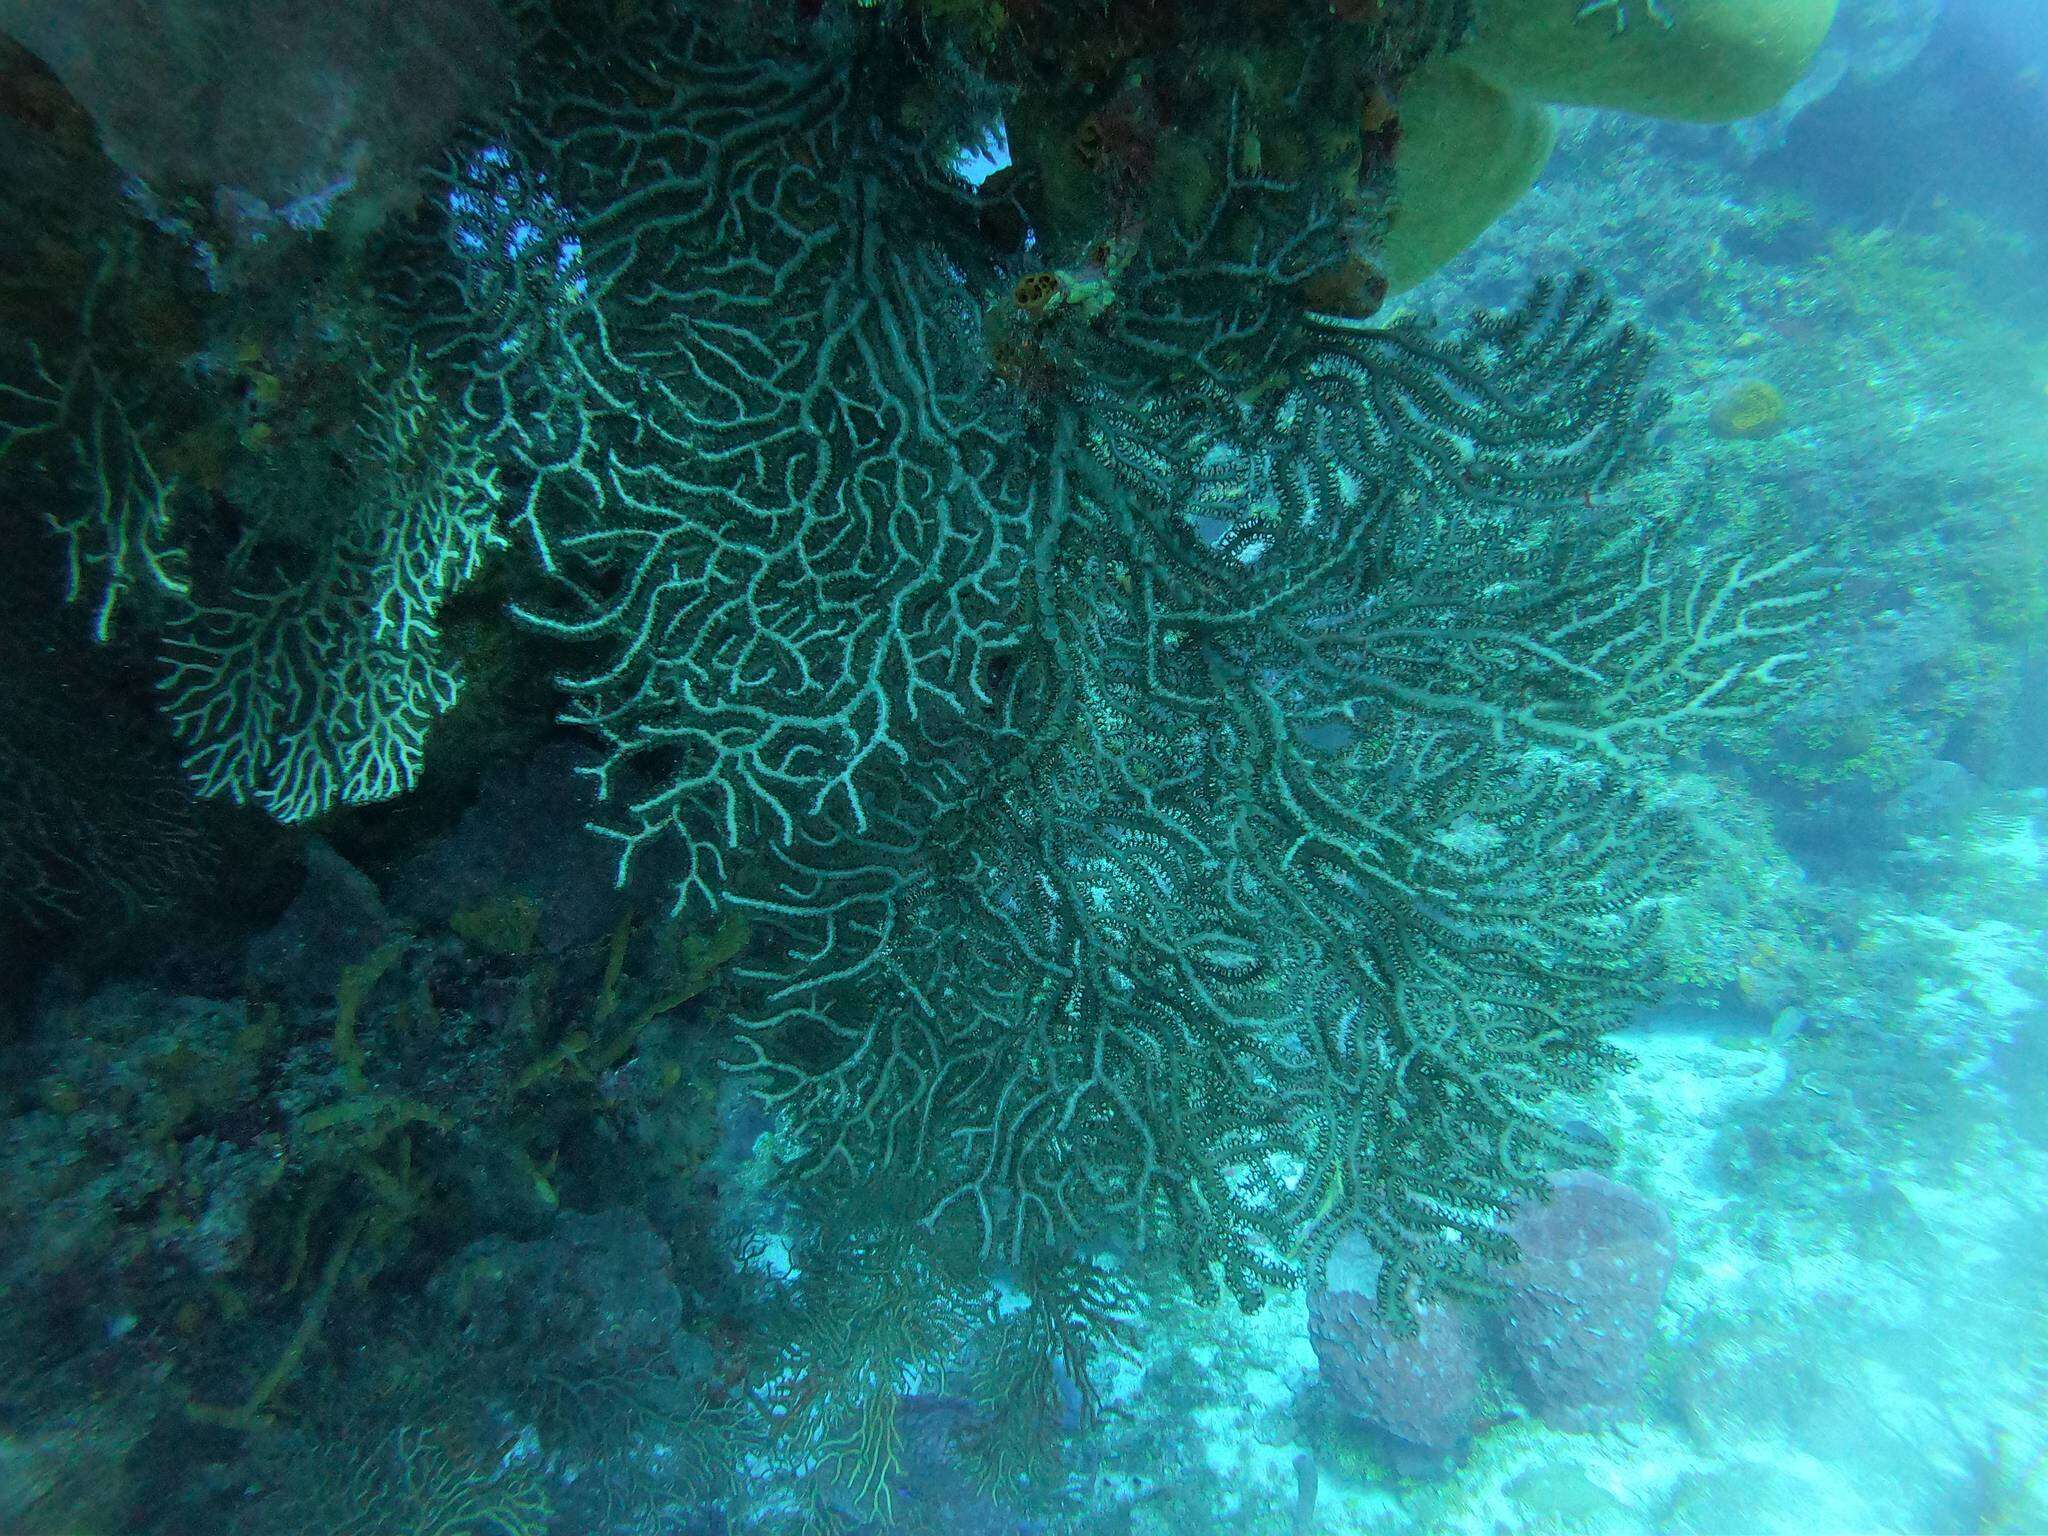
(336, 921)
(272, 108)
(597, 1292)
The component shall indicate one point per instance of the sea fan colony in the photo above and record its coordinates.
(1183, 788)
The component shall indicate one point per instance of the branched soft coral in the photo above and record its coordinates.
(1185, 764)
(747, 440)
(69, 850)
(306, 693)
(872, 1317)
(1321, 853)
(115, 507)
(411, 1481)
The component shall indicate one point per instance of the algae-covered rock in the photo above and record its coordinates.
(520, 871)
(597, 1291)
(336, 921)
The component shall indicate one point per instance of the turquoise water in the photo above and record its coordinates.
(1013, 768)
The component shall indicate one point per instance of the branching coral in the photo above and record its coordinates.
(95, 827)
(1172, 765)
(302, 637)
(1320, 859)
(749, 441)
(413, 1482)
(318, 690)
(127, 848)
(1033, 1369)
(873, 1315)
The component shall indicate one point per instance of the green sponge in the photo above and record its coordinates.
(1698, 61)
(1468, 151)
(1476, 125)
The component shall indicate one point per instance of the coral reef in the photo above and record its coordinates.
(291, 1149)
(1118, 779)
(887, 653)
(1891, 343)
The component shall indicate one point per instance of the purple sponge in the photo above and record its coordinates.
(1582, 1299)
(1417, 1387)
